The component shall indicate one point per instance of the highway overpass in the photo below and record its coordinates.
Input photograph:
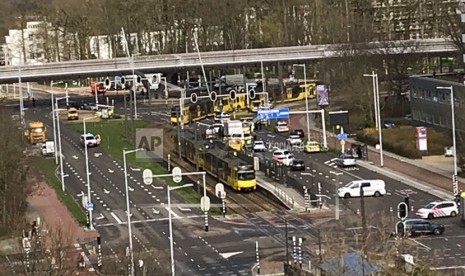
(173, 62)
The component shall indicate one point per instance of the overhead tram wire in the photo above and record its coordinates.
(200, 60)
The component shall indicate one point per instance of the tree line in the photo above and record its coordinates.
(223, 25)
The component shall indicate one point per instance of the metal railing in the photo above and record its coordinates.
(172, 61)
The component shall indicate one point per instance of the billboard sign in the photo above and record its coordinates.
(422, 140)
(322, 95)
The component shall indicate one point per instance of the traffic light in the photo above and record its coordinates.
(107, 83)
(193, 98)
(232, 94)
(400, 228)
(251, 94)
(402, 210)
(213, 96)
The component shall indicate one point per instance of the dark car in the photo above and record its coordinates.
(88, 106)
(421, 226)
(299, 132)
(297, 165)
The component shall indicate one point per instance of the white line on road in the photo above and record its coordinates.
(116, 218)
(153, 220)
(172, 212)
(447, 267)
(421, 244)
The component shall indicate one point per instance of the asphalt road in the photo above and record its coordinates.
(229, 246)
(196, 252)
(442, 251)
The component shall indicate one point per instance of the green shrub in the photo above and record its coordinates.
(402, 141)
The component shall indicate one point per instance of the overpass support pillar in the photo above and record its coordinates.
(280, 80)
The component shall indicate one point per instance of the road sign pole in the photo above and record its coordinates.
(342, 143)
(99, 250)
(258, 257)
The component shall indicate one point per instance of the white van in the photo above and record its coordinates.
(370, 188)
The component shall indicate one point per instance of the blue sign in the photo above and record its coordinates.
(90, 206)
(117, 80)
(342, 136)
(282, 113)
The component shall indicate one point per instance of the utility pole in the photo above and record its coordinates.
(178, 128)
(364, 222)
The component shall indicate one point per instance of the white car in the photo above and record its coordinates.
(281, 126)
(294, 140)
(259, 146)
(222, 117)
(346, 160)
(437, 209)
(213, 130)
(90, 139)
(449, 151)
(284, 157)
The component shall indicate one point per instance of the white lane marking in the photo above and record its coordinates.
(172, 212)
(153, 220)
(421, 244)
(116, 218)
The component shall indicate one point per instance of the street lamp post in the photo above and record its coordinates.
(134, 78)
(171, 223)
(128, 213)
(454, 145)
(54, 129)
(177, 177)
(306, 97)
(87, 170)
(59, 142)
(377, 114)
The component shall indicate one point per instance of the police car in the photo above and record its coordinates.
(437, 209)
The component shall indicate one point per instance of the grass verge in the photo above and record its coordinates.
(48, 168)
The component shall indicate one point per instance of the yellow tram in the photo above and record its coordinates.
(218, 162)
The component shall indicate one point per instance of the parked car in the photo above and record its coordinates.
(297, 165)
(437, 209)
(298, 132)
(281, 126)
(346, 160)
(421, 226)
(259, 146)
(449, 151)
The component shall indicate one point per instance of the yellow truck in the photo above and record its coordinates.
(35, 132)
(73, 114)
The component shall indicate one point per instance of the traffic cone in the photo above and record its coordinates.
(390, 209)
(411, 209)
(358, 211)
